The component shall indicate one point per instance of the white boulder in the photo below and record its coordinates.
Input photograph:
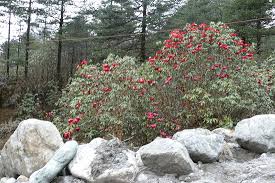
(257, 134)
(104, 161)
(166, 156)
(202, 144)
(30, 147)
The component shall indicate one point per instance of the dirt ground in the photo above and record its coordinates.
(7, 125)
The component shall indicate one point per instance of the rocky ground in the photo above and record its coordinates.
(35, 153)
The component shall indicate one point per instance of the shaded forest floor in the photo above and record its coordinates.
(7, 124)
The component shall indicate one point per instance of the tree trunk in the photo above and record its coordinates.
(143, 31)
(28, 40)
(258, 38)
(18, 56)
(59, 55)
(45, 29)
(8, 51)
(86, 50)
(72, 61)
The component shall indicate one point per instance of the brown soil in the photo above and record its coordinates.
(7, 125)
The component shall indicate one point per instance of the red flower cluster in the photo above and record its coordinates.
(106, 68)
(72, 121)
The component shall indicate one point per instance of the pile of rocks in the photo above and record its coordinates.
(35, 153)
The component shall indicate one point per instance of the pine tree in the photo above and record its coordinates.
(58, 8)
(258, 11)
(113, 21)
(10, 6)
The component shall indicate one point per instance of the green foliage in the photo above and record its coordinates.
(202, 11)
(29, 107)
(38, 101)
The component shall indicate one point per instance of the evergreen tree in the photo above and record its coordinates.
(258, 11)
(154, 17)
(115, 18)
(10, 6)
(59, 7)
(77, 29)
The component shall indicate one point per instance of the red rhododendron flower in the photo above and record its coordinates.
(151, 115)
(107, 89)
(151, 82)
(153, 125)
(67, 135)
(160, 119)
(233, 34)
(106, 68)
(176, 34)
(135, 88)
(168, 80)
(77, 129)
(163, 133)
(70, 121)
(76, 120)
(141, 80)
(84, 62)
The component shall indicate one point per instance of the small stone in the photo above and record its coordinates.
(228, 134)
(68, 179)
(150, 177)
(22, 178)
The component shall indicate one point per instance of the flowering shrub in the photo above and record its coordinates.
(204, 76)
(103, 99)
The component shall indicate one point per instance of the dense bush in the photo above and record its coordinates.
(35, 102)
(204, 76)
(100, 100)
(29, 107)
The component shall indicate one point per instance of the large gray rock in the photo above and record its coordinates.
(59, 161)
(68, 179)
(30, 147)
(104, 161)
(166, 156)
(257, 134)
(2, 173)
(202, 144)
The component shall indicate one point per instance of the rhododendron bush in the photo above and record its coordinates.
(204, 76)
(104, 99)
